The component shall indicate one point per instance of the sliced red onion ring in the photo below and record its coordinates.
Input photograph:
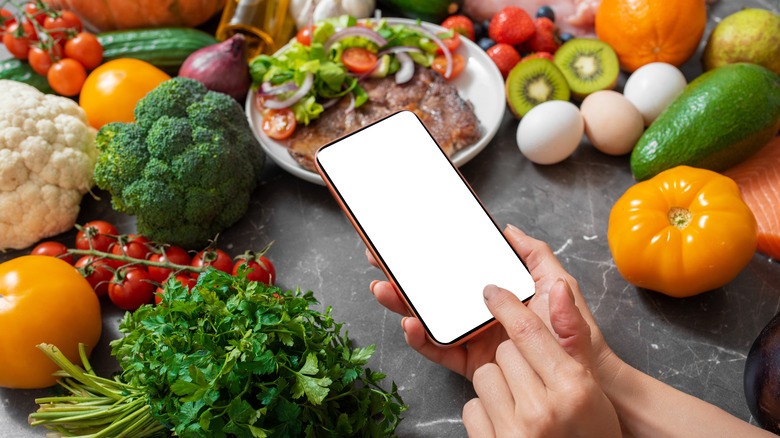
(439, 43)
(330, 102)
(266, 89)
(407, 68)
(308, 81)
(351, 106)
(360, 31)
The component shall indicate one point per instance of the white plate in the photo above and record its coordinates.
(480, 83)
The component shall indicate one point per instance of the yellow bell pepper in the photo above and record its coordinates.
(683, 232)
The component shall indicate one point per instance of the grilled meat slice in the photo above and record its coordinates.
(449, 118)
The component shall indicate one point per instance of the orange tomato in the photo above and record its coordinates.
(43, 299)
(645, 31)
(111, 91)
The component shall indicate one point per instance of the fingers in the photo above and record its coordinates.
(477, 420)
(493, 391)
(454, 359)
(371, 259)
(387, 296)
(567, 321)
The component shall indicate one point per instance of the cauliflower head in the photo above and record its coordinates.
(47, 162)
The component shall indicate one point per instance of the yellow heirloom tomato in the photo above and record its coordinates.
(43, 299)
(682, 232)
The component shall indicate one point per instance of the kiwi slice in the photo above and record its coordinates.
(589, 65)
(532, 82)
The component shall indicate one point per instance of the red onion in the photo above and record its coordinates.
(308, 81)
(406, 71)
(221, 67)
(266, 89)
(441, 45)
(360, 31)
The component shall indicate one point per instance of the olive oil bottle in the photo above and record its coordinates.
(266, 24)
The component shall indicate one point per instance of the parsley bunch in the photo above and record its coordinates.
(240, 358)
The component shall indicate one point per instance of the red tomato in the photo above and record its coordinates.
(304, 35)
(135, 290)
(137, 247)
(67, 76)
(258, 270)
(358, 59)
(41, 59)
(18, 46)
(38, 14)
(53, 249)
(450, 43)
(86, 49)
(185, 281)
(279, 123)
(97, 272)
(172, 254)
(99, 235)
(57, 27)
(6, 19)
(212, 257)
(440, 65)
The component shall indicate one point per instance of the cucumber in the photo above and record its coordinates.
(434, 11)
(20, 71)
(165, 48)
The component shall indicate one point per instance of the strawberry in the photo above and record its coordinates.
(511, 25)
(543, 39)
(504, 56)
(546, 55)
(460, 24)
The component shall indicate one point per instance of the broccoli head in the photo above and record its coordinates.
(185, 168)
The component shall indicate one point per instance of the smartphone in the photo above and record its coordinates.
(430, 234)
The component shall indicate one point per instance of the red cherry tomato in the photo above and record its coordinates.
(440, 65)
(98, 273)
(97, 234)
(134, 290)
(38, 14)
(63, 26)
(53, 249)
(67, 76)
(137, 247)
(279, 123)
(172, 254)
(18, 46)
(258, 270)
(185, 281)
(41, 59)
(304, 35)
(358, 59)
(450, 43)
(86, 49)
(6, 19)
(212, 257)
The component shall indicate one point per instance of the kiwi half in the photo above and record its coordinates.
(533, 82)
(589, 65)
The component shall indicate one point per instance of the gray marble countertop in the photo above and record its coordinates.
(697, 345)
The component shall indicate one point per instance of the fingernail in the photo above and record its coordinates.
(512, 227)
(567, 287)
(403, 322)
(489, 292)
(371, 286)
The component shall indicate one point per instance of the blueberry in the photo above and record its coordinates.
(486, 43)
(546, 11)
(479, 30)
(486, 26)
(565, 37)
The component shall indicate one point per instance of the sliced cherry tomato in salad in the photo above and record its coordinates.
(440, 65)
(358, 59)
(261, 270)
(97, 234)
(212, 257)
(134, 290)
(53, 249)
(171, 254)
(279, 123)
(451, 43)
(304, 35)
(98, 273)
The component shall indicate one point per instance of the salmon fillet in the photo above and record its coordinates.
(449, 118)
(759, 181)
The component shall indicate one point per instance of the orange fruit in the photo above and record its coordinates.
(111, 91)
(645, 31)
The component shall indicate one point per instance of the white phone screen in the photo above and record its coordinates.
(427, 227)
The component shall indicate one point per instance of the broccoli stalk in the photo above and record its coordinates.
(186, 168)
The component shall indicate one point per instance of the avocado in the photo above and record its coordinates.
(720, 119)
(434, 11)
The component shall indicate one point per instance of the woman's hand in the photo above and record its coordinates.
(545, 270)
(540, 386)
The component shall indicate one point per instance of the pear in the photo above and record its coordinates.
(750, 35)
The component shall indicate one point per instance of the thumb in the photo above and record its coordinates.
(567, 322)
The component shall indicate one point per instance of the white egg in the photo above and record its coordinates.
(612, 123)
(652, 87)
(550, 132)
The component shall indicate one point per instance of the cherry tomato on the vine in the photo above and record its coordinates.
(64, 25)
(35, 11)
(185, 281)
(53, 249)
(18, 46)
(41, 59)
(261, 270)
(98, 273)
(279, 123)
(171, 254)
(212, 257)
(133, 246)
(97, 234)
(132, 289)
(67, 76)
(6, 19)
(86, 49)
(304, 35)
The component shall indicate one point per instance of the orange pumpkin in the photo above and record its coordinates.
(105, 15)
